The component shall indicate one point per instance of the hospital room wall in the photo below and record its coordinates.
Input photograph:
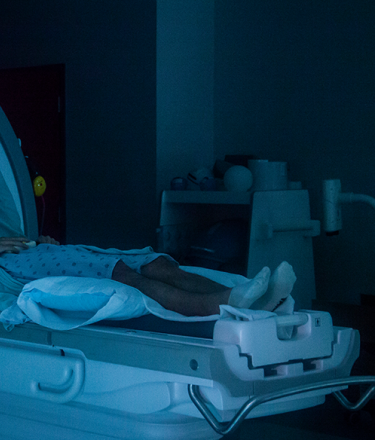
(294, 81)
(185, 88)
(108, 48)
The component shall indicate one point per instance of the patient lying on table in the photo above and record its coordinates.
(155, 275)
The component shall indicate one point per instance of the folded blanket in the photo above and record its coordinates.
(9, 289)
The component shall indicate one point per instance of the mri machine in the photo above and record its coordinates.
(130, 381)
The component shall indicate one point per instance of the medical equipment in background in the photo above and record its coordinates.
(269, 175)
(204, 178)
(124, 383)
(220, 247)
(333, 198)
(276, 211)
(280, 228)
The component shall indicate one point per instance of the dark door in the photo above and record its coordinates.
(33, 100)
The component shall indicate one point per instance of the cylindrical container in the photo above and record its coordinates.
(269, 176)
(332, 221)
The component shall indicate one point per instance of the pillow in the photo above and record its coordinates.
(72, 293)
(64, 303)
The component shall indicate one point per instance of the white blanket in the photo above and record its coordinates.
(9, 289)
(64, 303)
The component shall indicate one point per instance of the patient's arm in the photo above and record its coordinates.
(13, 244)
(17, 244)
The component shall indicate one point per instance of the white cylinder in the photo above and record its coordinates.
(269, 176)
(332, 221)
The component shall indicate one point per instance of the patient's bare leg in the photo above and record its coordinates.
(194, 295)
(167, 272)
(244, 295)
(173, 297)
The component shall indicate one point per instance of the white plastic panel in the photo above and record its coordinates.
(47, 374)
(282, 230)
(8, 175)
(24, 418)
(18, 168)
(259, 339)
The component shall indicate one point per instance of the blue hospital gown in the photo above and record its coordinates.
(48, 260)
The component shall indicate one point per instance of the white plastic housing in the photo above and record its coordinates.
(331, 206)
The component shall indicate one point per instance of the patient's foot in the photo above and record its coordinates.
(244, 295)
(279, 288)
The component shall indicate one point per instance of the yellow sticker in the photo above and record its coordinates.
(39, 185)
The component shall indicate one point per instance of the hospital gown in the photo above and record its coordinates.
(47, 260)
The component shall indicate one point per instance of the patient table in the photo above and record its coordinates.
(136, 381)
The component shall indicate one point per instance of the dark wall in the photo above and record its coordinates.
(294, 81)
(185, 87)
(109, 51)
